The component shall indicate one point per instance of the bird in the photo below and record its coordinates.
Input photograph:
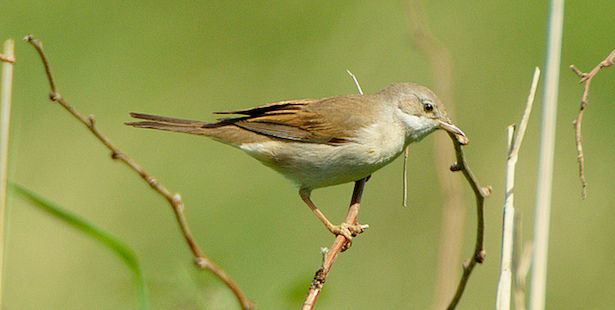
(327, 141)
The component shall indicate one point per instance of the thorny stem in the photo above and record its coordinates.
(174, 200)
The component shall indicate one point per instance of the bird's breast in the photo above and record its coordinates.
(315, 165)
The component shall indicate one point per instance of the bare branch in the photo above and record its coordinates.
(174, 199)
(337, 247)
(586, 78)
(480, 193)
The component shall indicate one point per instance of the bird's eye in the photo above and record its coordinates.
(428, 107)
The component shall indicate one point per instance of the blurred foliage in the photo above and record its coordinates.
(186, 59)
(91, 230)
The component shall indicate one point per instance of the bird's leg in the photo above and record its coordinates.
(344, 229)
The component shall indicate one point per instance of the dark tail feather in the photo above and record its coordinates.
(168, 123)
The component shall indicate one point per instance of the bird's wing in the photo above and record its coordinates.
(330, 120)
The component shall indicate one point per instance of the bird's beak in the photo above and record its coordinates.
(461, 137)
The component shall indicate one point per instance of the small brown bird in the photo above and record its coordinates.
(327, 141)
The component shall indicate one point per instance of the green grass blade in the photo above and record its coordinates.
(90, 229)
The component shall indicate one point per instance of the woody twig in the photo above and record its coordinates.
(200, 260)
(586, 78)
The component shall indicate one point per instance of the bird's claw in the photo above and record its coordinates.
(348, 231)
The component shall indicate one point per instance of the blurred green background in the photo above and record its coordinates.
(187, 59)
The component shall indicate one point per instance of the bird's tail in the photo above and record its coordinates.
(169, 124)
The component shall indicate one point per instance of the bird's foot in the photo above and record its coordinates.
(348, 231)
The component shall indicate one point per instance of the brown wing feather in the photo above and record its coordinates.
(332, 120)
(291, 120)
(270, 107)
(299, 125)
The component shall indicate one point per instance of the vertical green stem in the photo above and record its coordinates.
(5, 113)
(546, 155)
